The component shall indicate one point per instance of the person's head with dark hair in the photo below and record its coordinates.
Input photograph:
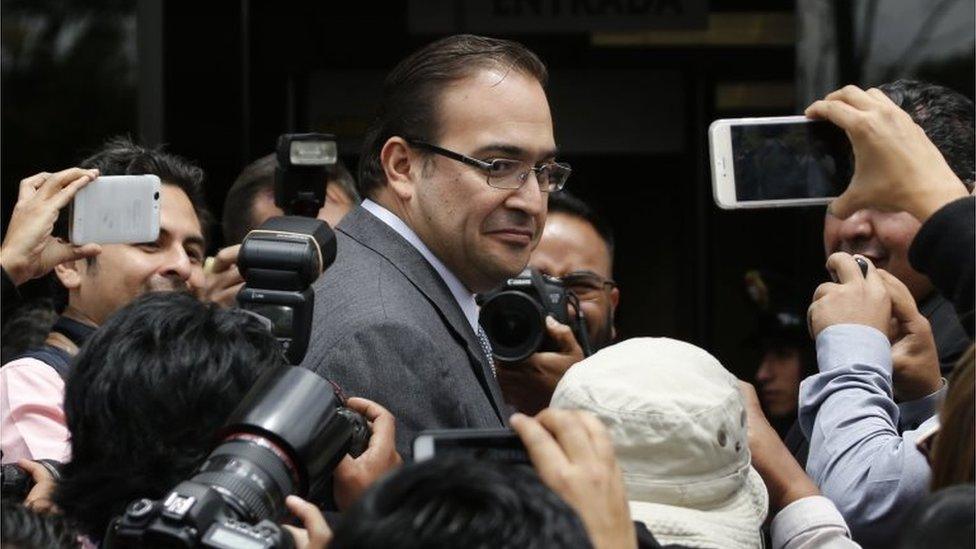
(462, 151)
(99, 286)
(146, 396)
(26, 327)
(412, 92)
(250, 200)
(786, 353)
(577, 245)
(445, 503)
(946, 116)
(21, 528)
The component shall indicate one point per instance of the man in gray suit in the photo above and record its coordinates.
(456, 171)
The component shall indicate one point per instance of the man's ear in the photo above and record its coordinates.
(396, 157)
(69, 274)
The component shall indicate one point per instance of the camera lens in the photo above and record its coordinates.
(156, 196)
(252, 476)
(515, 325)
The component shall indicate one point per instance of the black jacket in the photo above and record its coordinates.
(945, 251)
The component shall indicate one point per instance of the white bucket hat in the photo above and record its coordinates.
(679, 429)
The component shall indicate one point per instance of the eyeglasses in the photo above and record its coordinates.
(504, 173)
(587, 285)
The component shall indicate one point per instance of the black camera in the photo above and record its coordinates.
(514, 315)
(16, 483)
(279, 262)
(284, 438)
(305, 162)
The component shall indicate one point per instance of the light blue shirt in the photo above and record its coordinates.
(858, 458)
(465, 298)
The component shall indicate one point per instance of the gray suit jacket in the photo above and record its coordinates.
(387, 328)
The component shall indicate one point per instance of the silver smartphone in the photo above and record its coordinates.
(777, 161)
(502, 445)
(116, 209)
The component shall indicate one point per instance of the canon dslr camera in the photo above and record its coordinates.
(286, 437)
(514, 315)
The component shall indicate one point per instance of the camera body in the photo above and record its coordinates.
(178, 520)
(285, 437)
(514, 315)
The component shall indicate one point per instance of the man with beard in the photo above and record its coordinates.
(455, 171)
(32, 423)
(576, 246)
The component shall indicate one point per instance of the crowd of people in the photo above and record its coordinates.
(861, 432)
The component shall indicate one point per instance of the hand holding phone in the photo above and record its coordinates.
(777, 161)
(29, 250)
(120, 209)
(897, 167)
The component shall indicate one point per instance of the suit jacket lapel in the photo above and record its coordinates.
(369, 231)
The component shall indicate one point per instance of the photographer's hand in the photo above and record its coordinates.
(354, 475)
(223, 280)
(896, 166)
(39, 498)
(853, 299)
(29, 250)
(529, 385)
(574, 456)
(914, 357)
(316, 533)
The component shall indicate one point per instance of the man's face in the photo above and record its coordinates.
(484, 234)
(571, 246)
(779, 381)
(882, 237)
(122, 272)
(337, 205)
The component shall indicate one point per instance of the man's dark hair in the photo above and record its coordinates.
(411, 92)
(121, 156)
(21, 528)
(460, 503)
(26, 327)
(947, 118)
(257, 177)
(146, 395)
(565, 203)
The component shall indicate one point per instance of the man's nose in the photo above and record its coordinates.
(857, 227)
(763, 374)
(529, 197)
(177, 263)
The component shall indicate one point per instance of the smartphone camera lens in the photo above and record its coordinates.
(156, 196)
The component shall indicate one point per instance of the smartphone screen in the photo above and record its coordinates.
(790, 161)
(500, 445)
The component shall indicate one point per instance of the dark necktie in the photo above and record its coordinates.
(486, 348)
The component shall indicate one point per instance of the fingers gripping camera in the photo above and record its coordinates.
(514, 315)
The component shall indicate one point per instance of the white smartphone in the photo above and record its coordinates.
(116, 209)
(777, 161)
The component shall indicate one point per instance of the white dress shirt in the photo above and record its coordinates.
(464, 297)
